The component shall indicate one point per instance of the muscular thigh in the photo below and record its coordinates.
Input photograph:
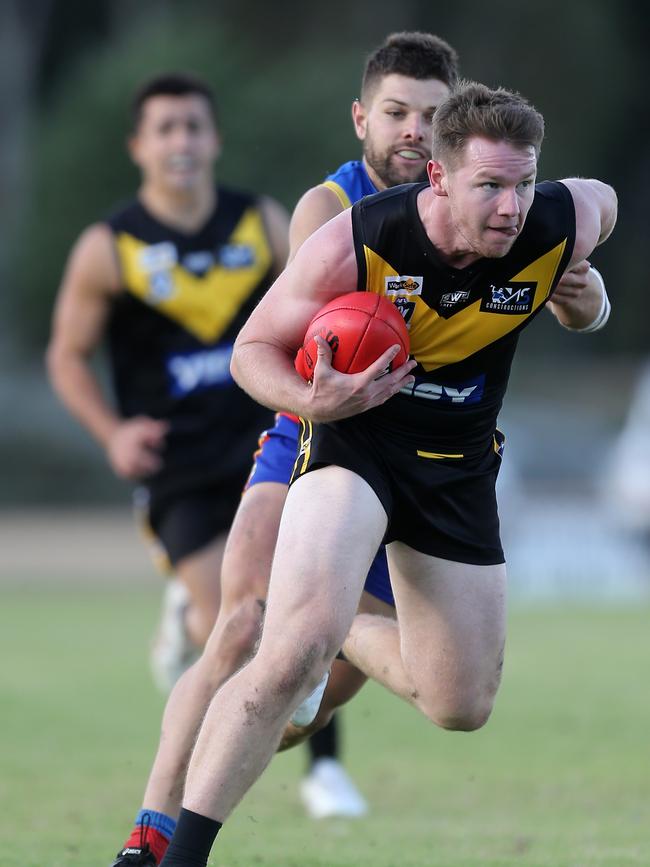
(452, 619)
(331, 527)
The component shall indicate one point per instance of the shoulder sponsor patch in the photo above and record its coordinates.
(513, 298)
(403, 285)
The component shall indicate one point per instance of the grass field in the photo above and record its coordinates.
(560, 777)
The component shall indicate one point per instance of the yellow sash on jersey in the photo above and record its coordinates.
(437, 342)
(204, 305)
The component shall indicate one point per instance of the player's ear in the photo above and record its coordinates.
(132, 148)
(359, 119)
(437, 177)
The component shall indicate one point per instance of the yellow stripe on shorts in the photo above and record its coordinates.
(304, 451)
(437, 456)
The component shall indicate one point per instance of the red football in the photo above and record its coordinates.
(359, 327)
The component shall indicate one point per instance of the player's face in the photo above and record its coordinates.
(395, 127)
(176, 142)
(490, 192)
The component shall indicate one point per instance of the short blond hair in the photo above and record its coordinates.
(473, 109)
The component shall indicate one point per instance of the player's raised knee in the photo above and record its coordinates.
(467, 716)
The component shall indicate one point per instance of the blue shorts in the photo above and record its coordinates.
(276, 454)
(273, 462)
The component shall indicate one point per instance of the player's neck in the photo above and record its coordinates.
(185, 210)
(436, 218)
(377, 182)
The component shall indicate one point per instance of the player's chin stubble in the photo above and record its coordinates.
(384, 167)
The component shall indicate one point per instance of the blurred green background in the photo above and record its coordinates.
(285, 74)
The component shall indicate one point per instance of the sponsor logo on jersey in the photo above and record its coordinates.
(233, 256)
(403, 285)
(195, 371)
(470, 391)
(161, 286)
(451, 299)
(156, 261)
(158, 257)
(198, 262)
(515, 298)
(406, 309)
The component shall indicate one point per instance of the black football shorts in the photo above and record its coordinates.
(440, 505)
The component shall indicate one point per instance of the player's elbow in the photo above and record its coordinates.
(237, 368)
(610, 212)
(234, 367)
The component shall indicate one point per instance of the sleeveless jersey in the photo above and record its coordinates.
(172, 329)
(350, 182)
(464, 323)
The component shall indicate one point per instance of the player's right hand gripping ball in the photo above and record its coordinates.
(359, 327)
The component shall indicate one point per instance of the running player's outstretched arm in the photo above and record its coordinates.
(90, 282)
(91, 277)
(262, 363)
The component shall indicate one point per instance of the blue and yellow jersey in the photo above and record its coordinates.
(464, 323)
(171, 330)
(350, 182)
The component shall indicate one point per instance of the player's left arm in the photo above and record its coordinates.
(276, 220)
(596, 207)
(580, 301)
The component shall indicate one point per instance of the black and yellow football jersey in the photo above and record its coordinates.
(172, 329)
(464, 324)
(432, 453)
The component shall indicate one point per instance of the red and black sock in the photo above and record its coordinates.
(152, 829)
